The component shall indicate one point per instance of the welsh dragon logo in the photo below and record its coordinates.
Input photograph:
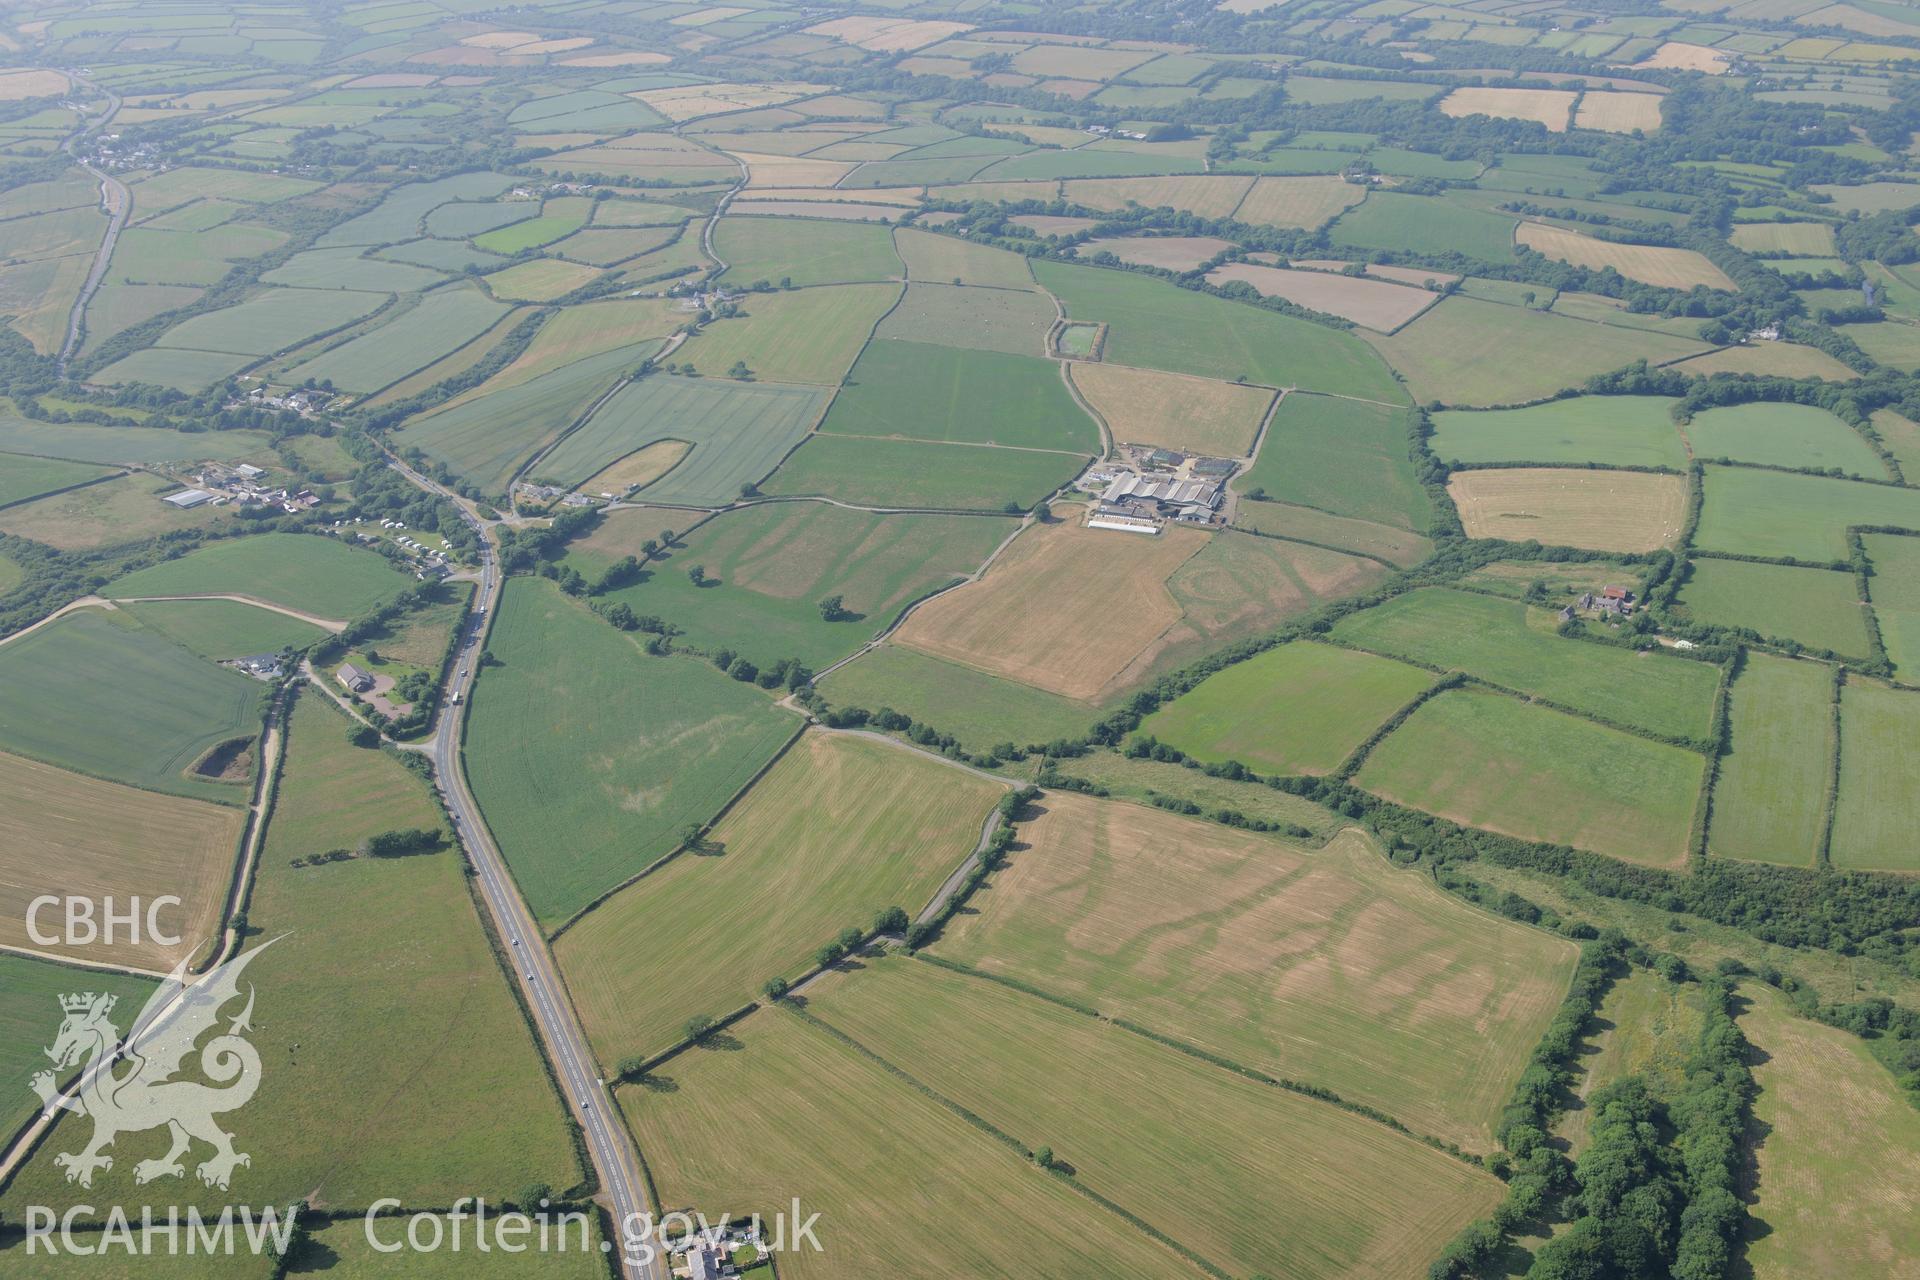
(135, 1085)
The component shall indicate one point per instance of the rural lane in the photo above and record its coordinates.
(119, 203)
(612, 1152)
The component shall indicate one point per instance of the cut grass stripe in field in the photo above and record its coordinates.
(588, 757)
(1327, 965)
(839, 830)
(1878, 808)
(1180, 1142)
(1770, 798)
(1505, 643)
(1485, 760)
(1297, 708)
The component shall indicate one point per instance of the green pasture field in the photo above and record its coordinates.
(30, 991)
(1085, 163)
(272, 321)
(11, 575)
(176, 186)
(1825, 1203)
(767, 567)
(98, 694)
(945, 259)
(1623, 431)
(739, 432)
(645, 745)
(958, 395)
(918, 473)
(1879, 801)
(398, 216)
(341, 1251)
(1141, 779)
(1297, 708)
(1755, 512)
(301, 571)
(444, 320)
(841, 829)
(441, 255)
(835, 1129)
(118, 307)
(1015, 321)
(141, 256)
(530, 234)
(1280, 519)
(1770, 799)
(347, 269)
(486, 438)
(459, 221)
(1326, 966)
(1647, 1027)
(804, 251)
(374, 980)
(1783, 435)
(1895, 345)
(1156, 325)
(175, 369)
(1198, 1143)
(978, 709)
(23, 477)
(1424, 225)
(1467, 351)
(1344, 457)
(1818, 608)
(1503, 642)
(1895, 591)
(805, 336)
(223, 629)
(1485, 760)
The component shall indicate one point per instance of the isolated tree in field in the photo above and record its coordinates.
(699, 1027)
(1043, 1157)
(697, 574)
(892, 920)
(850, 939)
(749, 490)
(829, 955)
(776, 989)
(832, 609)
(690, 835)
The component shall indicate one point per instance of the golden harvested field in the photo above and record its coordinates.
(1598, 510)
(1652, 264)
(785, 1110)
(1012, 192)
(1172, 410)
(641, 467)
(1307, 202)
(887, 35)
(1771, 359)
(692, 101)
(1378, 304)
(38, 83)
(1208, 195)
(1182, 1143)
(624, 58)
(1838, 1177)
(64, 833)
(500, 39)
(1328, 966)
(1618, 112)
(1808, 239)
(790, 171)
(1174, 253)
(1680, 56)
(902, 196)
(824, 209)
(1047, 613)
(539, 280)
(1550, 107)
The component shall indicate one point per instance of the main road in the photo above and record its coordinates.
(613, 1154)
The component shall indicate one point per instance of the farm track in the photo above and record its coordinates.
(119, 205)
(325, 624)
